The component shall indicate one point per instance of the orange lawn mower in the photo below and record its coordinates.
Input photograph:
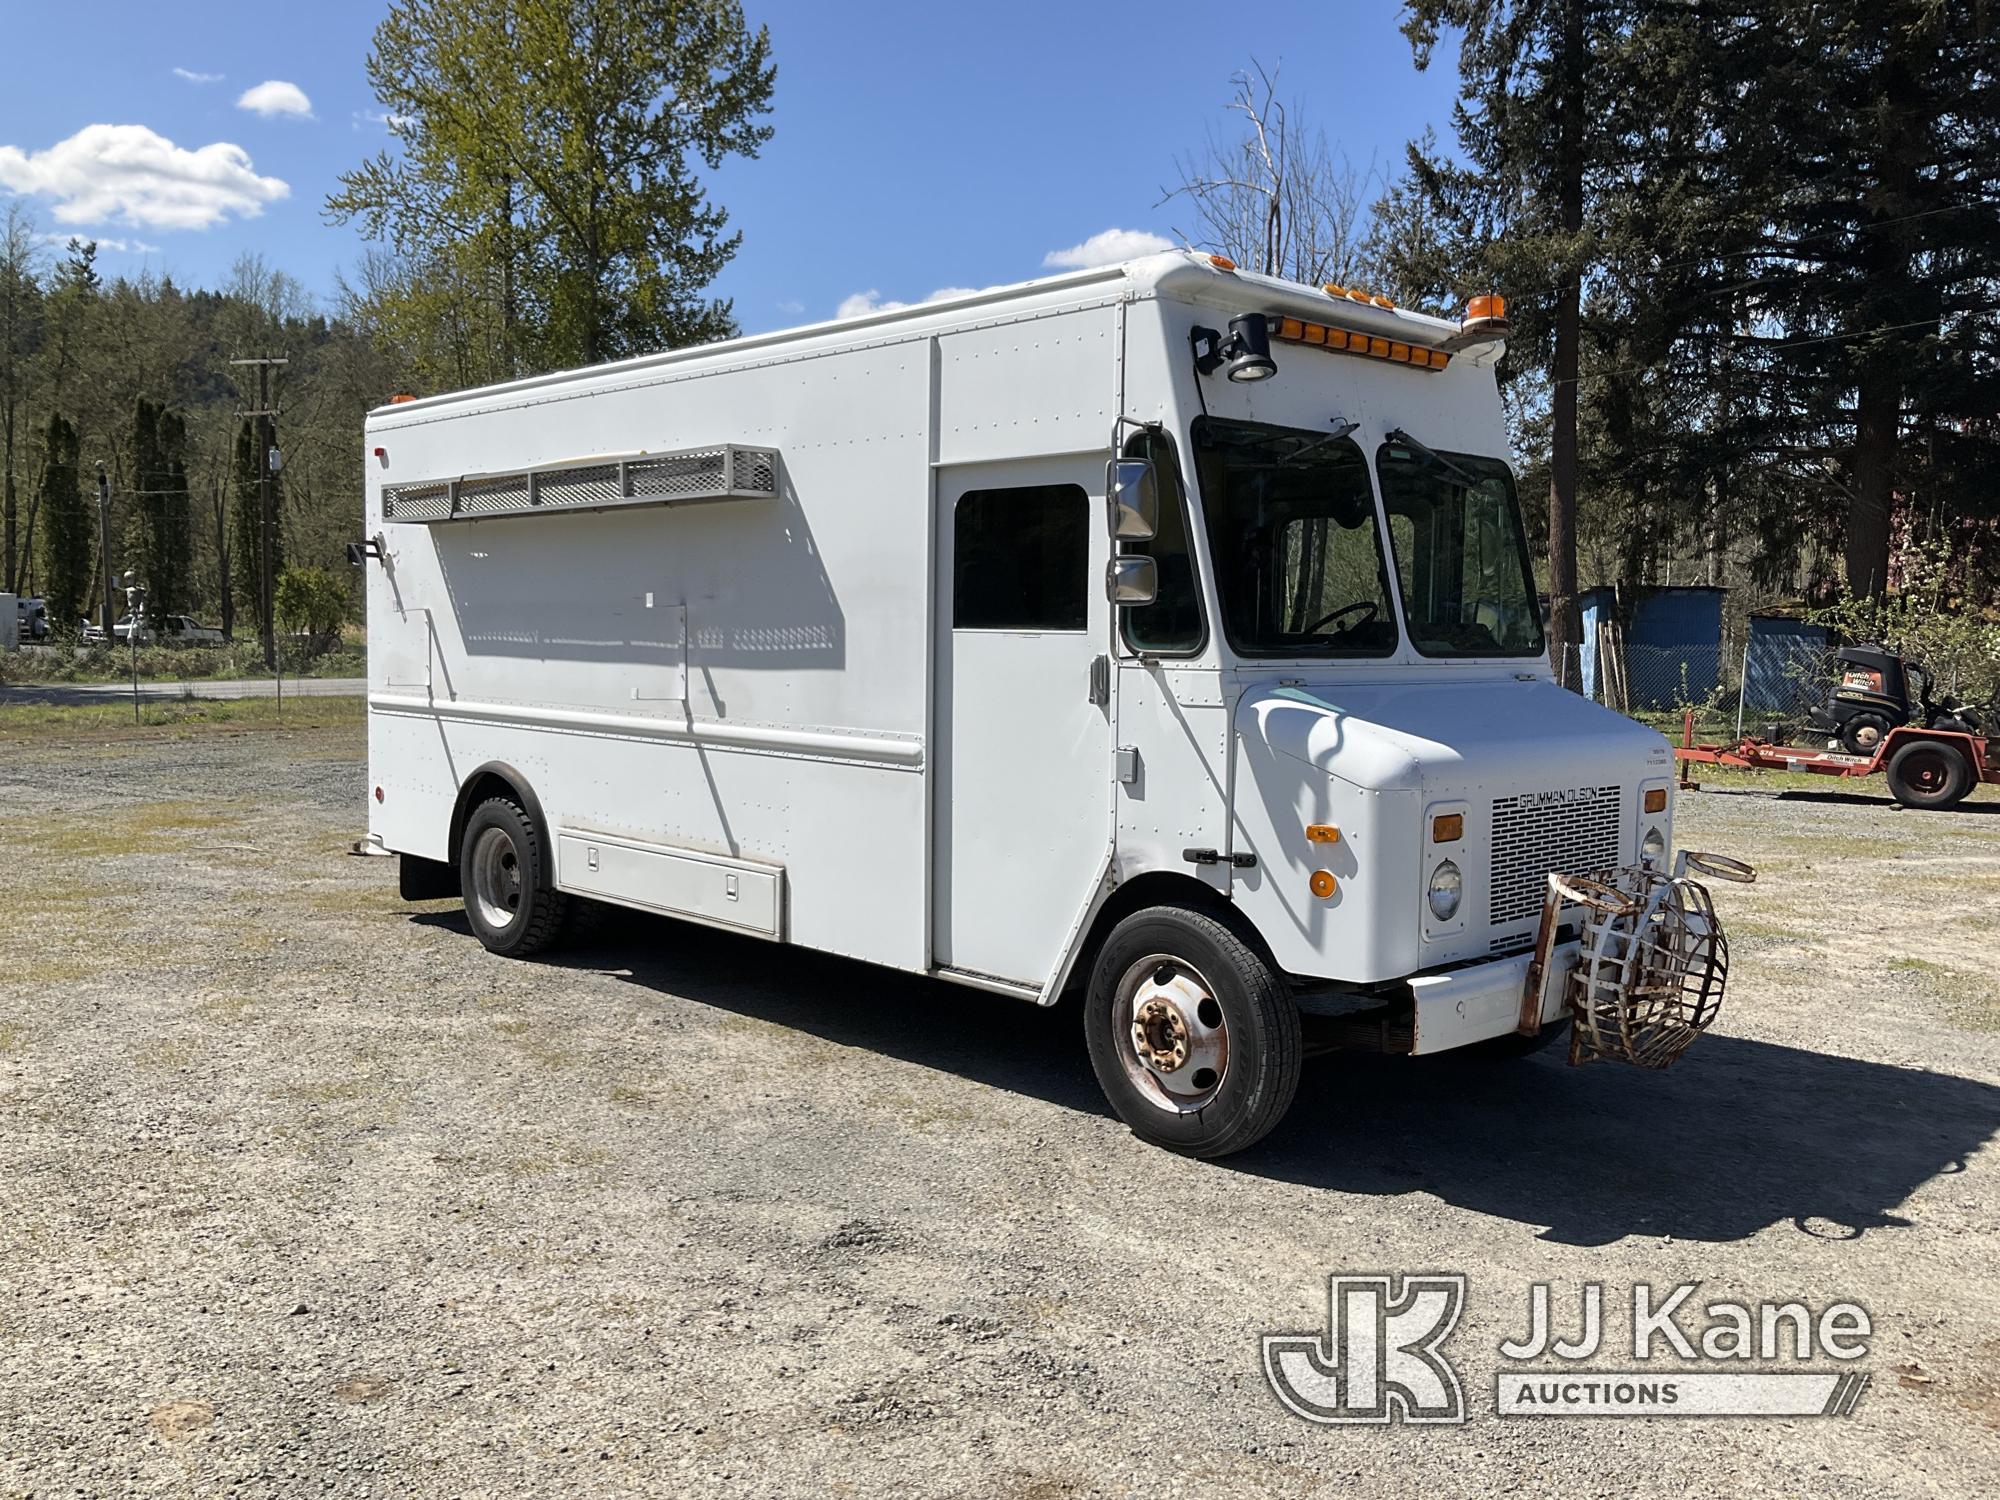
(1933, 753)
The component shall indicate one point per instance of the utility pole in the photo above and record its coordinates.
(104, 547)
(267, 628)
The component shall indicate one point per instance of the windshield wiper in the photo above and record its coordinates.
(1340, 430)
(1397, 435)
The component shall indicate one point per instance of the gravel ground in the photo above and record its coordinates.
(303, 1193)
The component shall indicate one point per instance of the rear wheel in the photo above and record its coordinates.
(1195, 1041)
(504, 875)
(1927, 774)
(1863, 734)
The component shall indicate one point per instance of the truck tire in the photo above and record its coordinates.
(1194, 1040)
(1928, 774)
(504, 875)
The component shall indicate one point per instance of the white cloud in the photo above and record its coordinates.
(860, 304)
(103, 242)
(193, 77)
(791, 306)
(131, 175)
(276, 97)
(1108, 248)
(389, 121)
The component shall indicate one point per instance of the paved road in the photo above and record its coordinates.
(71, 693)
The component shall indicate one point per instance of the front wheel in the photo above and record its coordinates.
(1863, 734)
(503, 870)
(1194, 1040)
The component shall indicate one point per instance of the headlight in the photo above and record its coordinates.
(1447, 885)
(1654, 848)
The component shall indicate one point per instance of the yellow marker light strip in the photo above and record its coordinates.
(1322, 833)
(1448, 828)
(1292, 330)
(1656, 800)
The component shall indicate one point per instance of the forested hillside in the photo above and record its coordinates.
(136, 375)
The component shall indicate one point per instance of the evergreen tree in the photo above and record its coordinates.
(71, 582)
(1538, 122)
(165, 541)
(20, 319)
(246, 565)
(1862, 140)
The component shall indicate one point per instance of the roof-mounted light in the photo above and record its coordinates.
(1243, 355)
(1325, 336)
(1486, 318)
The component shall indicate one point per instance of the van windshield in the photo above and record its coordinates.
(1298, 554)
(1460, 556)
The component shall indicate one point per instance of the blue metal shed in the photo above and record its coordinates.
(1786, 669)
(1673, 644)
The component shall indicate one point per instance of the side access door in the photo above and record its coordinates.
(1022, 745)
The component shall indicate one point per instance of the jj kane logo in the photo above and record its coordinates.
(1381, 1358)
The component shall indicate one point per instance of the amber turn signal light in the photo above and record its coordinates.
(1448, 828)
(1322, 833)
(1656, 800)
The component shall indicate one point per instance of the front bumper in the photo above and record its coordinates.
(1642, 978)
(1483, 1001)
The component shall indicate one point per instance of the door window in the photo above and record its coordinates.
(1021, 559)
(1172, 624)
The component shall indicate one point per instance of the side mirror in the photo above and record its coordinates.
(1134, 491)
(1132, 580)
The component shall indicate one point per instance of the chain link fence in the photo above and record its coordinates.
(1762, 687)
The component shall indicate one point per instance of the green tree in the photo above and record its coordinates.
(542, 192)
(71, 581)
(1862, 142)
(1539, 121)
(20, 319)
(312, 602)
(246, 567)
(165, 540)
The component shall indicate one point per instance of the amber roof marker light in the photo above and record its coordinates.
(1287, 329)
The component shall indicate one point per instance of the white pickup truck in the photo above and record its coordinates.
(175, 630)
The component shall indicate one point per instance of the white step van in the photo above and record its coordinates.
(1161, 631)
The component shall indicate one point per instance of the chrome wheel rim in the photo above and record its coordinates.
(1171, 1034)
(496, 877)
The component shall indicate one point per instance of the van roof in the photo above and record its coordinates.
(1187, 275)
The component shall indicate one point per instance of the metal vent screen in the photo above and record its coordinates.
(727, 472)
(1575, 832)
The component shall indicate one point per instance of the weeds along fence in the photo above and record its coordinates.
(1762, 687)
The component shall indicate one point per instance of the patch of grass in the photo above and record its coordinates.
(224, 1008)
(1738, 927)
(322, 1091)
(169, 662)
(1971, 1001)
(171, 719)
(134, 828)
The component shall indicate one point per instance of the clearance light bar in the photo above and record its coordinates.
(1325, 336)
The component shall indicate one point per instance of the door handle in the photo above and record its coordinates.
(1100, 680)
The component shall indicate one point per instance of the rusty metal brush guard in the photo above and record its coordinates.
(1652, 964)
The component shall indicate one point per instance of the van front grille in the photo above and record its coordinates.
(1535, 832)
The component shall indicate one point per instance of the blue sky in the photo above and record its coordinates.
(919, 146)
